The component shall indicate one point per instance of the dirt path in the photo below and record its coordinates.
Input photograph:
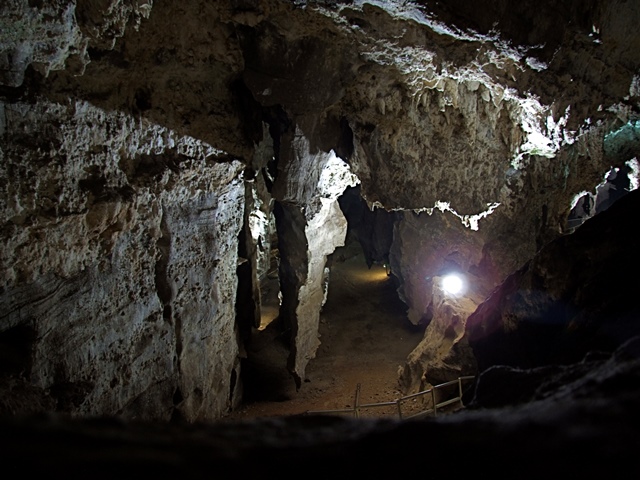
(365, 336)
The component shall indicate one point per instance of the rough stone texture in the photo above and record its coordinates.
(103, 218)
(429, 246)
(261, 220)
(56, 34)
(455, 108)
(425, 248)
(255, 241)
(310, 226)
(508, 237)
(179, 69)
(435, 360)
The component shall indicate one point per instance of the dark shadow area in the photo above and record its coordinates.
(264, 374)
(16, 345)
(373, 229)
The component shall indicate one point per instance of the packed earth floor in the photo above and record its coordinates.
(365, 337)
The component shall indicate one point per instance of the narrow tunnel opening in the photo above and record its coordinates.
(617, 183)
(263, 369)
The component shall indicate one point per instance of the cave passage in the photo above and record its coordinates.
(364, 332)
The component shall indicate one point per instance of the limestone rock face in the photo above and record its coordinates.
(55, 35)
(103, 218)
(442, 355)
(426, 248)
(311, 226)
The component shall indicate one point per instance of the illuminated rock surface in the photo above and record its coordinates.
(149, 149)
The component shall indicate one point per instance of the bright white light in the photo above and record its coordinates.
(469, 221)
(634, 175)
(452, 284)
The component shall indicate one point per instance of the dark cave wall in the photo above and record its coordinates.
(371, 228)
(573, 297)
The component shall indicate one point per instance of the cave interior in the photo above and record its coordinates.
(176, 181)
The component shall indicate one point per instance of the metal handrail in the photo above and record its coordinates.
(398, 402)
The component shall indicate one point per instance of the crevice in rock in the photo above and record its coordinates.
(16, 351)
(162, 283)
(177, 399)
(249, 111)
(232, 385)
(293, 249)
(165, 292)
(345, 147)
(178, 324)
(292, 246)
(247, 292)
(279, 123)
(373, 229)
(142, 101)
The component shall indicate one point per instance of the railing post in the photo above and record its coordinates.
(433, 400)
(398, 402)
(356, 409)
(460, 391)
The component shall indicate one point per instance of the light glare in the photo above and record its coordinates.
(452, 284)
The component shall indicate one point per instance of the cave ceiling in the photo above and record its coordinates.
(449, 102)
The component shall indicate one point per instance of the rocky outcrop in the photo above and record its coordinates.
(426, 248)
(442, 355)
(310, 227)
(572, 297)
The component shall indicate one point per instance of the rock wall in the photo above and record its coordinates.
(57, 34)
(572, 297)
(119, 255)
(426, 246)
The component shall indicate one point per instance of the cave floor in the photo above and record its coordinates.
(365, 336)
